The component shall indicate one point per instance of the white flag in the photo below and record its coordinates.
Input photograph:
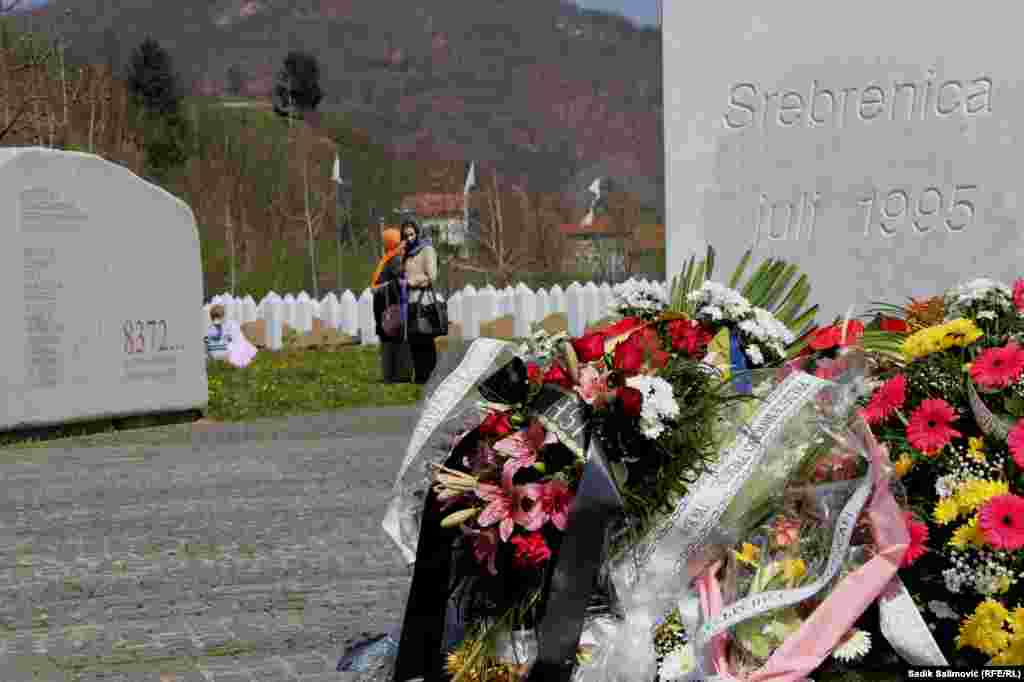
(595, 189)
(336, 175)
(470, 179)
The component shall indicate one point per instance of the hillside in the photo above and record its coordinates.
(556, 94)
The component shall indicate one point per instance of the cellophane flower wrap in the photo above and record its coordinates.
(763, 569)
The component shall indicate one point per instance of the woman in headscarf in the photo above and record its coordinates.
(420, 265)
(395, 360)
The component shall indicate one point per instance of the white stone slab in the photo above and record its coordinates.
(101, 280)
(877, 144)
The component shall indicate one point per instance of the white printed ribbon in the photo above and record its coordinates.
(478, 359)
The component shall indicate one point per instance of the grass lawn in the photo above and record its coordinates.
(293, 382)
(275, 384)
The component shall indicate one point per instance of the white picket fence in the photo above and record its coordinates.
(470, 307)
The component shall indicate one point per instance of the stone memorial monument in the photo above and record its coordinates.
(100, 281)
(879, 145)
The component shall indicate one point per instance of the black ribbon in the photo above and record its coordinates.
(421, 648)
(574, 578)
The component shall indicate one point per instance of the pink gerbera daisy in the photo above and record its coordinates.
(1018, 294)
(887, 399)
(918, 536)
(1001, 521)
(929, 428)
(1016, 443)
(998, 367)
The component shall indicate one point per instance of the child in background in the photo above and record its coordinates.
(218, 337)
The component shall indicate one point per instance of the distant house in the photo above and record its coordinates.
(442, 214)
(594, 248)
(598, 248)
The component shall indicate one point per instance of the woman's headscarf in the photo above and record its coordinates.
(392, 247)
(419, 241)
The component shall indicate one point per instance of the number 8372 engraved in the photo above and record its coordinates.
(921, 211)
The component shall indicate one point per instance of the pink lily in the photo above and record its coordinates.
(485, 547)
(555, 501)
(521, 448)
(509, 505)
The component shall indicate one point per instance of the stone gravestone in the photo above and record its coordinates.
(100, 281)
(879, 145)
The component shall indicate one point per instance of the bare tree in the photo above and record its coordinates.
(499, 254)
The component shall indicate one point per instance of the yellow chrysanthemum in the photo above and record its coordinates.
(1016, 620)
(1004, 584)
(960, 332)
(1013, 654)
(946, 510)
(983, 630)
(902, 466)
(967, 534)
(922, 343)
(749, 555)
(992, 612)
(794, 569)
(975, 492)
(976, 449)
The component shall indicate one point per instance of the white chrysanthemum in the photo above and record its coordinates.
(945, 485)
(677, 664)
(638, 295)
(856, 647)
(981, 290)
(773, 328)
(942, 610)
(755, 355)
(954, 580)
(987, 315)
(659, 403)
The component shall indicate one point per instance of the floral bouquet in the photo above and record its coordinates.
(950, 407)
(778, 552)
(577, 448)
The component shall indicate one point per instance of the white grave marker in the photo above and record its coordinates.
(878, 145)
(101, 279)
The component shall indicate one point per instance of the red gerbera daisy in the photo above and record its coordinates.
(887, 399)
(1001, 521)
(1016, 443)
(998, 367)
(918, 536)
(929, 428)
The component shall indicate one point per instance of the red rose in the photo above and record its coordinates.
(589, 347)
(1018, 294)
(496, 424)
(689, 336)
(649, 341)
(893, 324)
(632, 400)
(629, 355)
(824, 338)
(533, 373)
(557, 375)
(830, 337)
(531, 550)
(627, 324)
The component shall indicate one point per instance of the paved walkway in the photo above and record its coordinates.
(179, 554)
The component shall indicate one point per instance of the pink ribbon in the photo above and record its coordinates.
(819, 634)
